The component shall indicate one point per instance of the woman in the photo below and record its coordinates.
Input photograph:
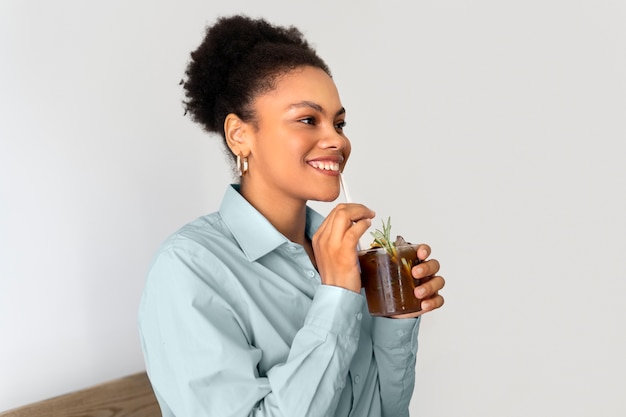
(255, 310)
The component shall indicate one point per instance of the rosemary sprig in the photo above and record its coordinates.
(382, 239)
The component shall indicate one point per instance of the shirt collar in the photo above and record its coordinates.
(253, 232)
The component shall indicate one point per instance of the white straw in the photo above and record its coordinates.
(346, 194)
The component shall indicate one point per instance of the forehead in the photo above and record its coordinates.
(308, 84)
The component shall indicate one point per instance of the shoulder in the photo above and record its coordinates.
(196, 265)
(199, 249)
(199, 236)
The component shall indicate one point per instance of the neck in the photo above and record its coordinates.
(288, 216)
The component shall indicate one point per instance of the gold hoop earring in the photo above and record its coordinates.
(242, 165)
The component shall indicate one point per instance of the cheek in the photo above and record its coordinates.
(295, 148)
(298, 144)
(347, 150)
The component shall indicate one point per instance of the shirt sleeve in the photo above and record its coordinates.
(395, 350)
(201, 363)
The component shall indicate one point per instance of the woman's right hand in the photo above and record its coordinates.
(335, 243)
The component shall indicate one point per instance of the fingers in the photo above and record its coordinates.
(431, 300)
(350, 213)
(335, 243)
(345, 222)
(423, 251)
(432, 303)
(426, 306)
(430, 283)
(425, 269)
(430, 287)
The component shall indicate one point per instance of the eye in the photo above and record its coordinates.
(340, 125)
(308, 120)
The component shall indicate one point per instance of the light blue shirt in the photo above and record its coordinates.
(234, 321)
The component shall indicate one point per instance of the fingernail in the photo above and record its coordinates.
(420, 292)
(418, 271)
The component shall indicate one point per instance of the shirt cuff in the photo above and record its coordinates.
(388, 332)
(337, 310)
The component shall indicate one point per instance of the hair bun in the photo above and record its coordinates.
(235, 61)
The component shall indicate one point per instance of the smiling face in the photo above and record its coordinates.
(298, 147)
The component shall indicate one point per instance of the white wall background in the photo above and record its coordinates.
(493, 130)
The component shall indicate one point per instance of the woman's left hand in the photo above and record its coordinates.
(428, 291)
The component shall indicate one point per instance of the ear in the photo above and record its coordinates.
(236, 132)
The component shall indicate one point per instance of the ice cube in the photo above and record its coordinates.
(400, 241)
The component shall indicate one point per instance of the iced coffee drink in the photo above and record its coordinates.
(386, 275)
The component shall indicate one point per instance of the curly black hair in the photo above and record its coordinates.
(238, 59)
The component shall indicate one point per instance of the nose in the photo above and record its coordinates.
(337, 143)
(332, 139)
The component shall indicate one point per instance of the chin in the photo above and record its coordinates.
(326, 197)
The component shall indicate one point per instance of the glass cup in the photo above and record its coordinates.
(388, 283)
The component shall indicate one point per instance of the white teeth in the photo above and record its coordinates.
(327, 166)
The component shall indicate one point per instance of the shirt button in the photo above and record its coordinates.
(400, 333)
(357, 379)
(310, 273)
(292, 248)
(359, 316)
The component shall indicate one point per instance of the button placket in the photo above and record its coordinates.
(302, 259)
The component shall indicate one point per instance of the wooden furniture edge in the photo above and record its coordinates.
(130, 396)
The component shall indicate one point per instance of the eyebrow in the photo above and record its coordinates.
(315, 107)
